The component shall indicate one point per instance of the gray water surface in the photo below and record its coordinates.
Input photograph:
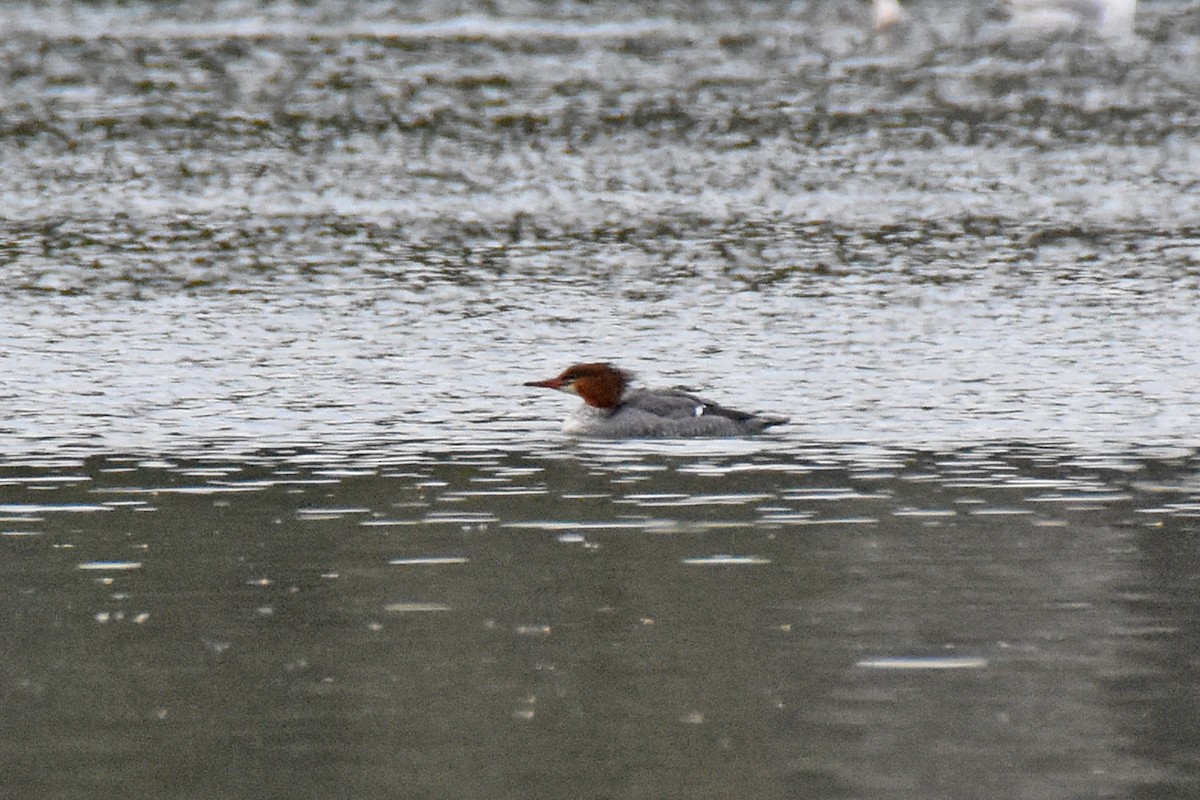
(608, 621)
(274, 227)
(280, 520)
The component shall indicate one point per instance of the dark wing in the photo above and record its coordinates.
(676, 404)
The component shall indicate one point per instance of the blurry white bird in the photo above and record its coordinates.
(886, 13)
(1106, 17)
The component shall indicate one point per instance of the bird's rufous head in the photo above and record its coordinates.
(600, 385)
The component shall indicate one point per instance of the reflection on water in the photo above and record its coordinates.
(278, 519)
(592, 623)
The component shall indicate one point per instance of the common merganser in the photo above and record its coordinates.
(612, 410)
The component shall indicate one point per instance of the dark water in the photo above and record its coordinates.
(279, 519)
(608, 621)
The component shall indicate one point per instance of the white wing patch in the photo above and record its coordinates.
(698, 411)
